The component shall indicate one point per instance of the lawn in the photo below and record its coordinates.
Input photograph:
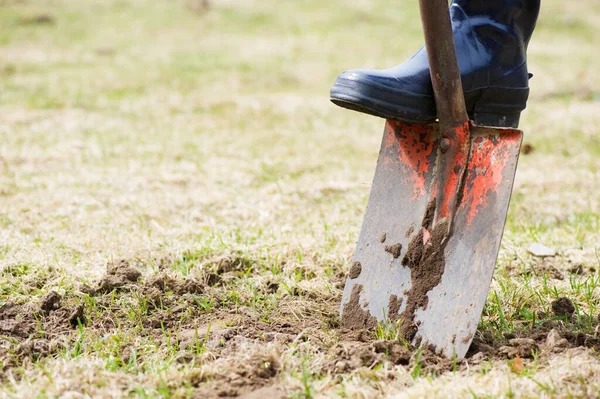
(179, 205)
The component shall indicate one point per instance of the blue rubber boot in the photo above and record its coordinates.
(491, 38)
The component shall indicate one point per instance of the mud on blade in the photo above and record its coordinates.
(439, 293)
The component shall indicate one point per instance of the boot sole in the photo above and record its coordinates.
(385, 102)
(491, 106)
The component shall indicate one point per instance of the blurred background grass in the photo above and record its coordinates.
(165, 111)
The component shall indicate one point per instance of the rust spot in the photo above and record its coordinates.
(451, 168)
(485, 171)
(410, 146)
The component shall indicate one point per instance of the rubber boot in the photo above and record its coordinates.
(491, 38)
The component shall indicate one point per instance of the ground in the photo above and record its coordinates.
(180, 203)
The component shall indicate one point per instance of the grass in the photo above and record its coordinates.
(198, 143)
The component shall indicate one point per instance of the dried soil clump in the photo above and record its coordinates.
(164, 283)
(50, 302)
(119, 275)
(552, 336)
(34, 331)
(522, 347)
(528, 148)
(395, 250)
(355, 270)
(16, 320)
(77, 317)
(231, 263)
(351, 355)
(563, 307)
(243, 378)
(123, 269)
(430, 362)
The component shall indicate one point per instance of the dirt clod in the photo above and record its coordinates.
(231, 263)
(479, 345)
(355, 270)
(50, 302)
(430, 361)
(521, 347)
(41, 19)
(118, 275)
(351, 355)
(77, 317)
(124, 270)
(395, 250)
(382, 238)
(161, 283)
(528, 149)
(555, 341)
(563, 307)
(396, 353)
(110, 282)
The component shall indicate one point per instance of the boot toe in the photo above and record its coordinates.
(379, 93)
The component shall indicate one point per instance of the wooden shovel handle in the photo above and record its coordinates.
(445, 76)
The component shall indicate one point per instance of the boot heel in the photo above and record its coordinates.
(496, 120)
(500, 106)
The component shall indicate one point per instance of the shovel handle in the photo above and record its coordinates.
(451, 111)
(443, 65)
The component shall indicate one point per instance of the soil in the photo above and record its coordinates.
(394, 307)
(41, 19)
(395, 250)
(427, 221)
(35, 331)
(50, 302)
(527, 149)
(119, 275)
(563, 307)
(355, 270)
(351, 355)
(354, 316)
(297, 320)
(245, 379)
(77, 316)
(425, 258)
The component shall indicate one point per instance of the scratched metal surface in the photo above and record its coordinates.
(402, 187)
